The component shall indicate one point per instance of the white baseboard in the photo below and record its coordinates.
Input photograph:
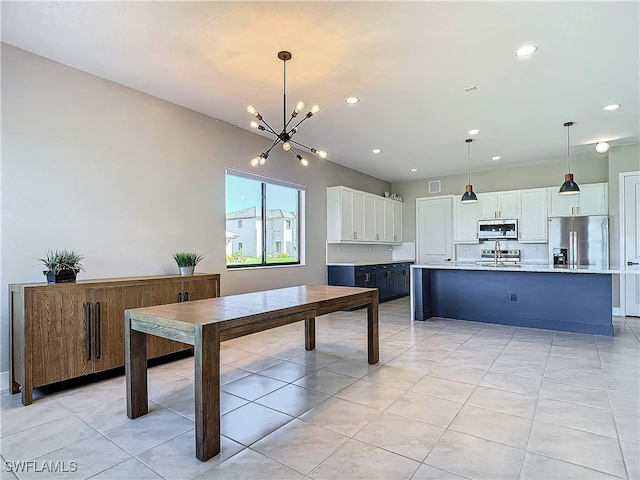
(615, 311)
(4, 380)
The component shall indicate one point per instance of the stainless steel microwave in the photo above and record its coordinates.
(498, 229)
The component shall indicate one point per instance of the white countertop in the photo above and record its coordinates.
(360, 264)
(523, 267)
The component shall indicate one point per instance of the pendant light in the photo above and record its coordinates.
(469, 196)
(569, 187)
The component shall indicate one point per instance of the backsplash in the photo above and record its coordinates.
(347, 253)
(529, 252)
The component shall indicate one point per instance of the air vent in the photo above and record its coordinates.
(434, 186)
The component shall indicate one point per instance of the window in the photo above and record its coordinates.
(262, 220)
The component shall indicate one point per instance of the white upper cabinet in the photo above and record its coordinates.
(359, 217)
(465, 221)
(388, 221)
(397, 222)
(369, 217)
(498, 204)
(592, 200)
(379, 218)
(342, 208)
(532, 217)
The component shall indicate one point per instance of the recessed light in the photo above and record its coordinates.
(474, 131)
(376, 150)
(497, 157)
(613, 106)
(352, 100)
(602, 147)
(413, 170)
(526, 50)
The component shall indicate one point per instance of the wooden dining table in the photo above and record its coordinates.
(206, 323)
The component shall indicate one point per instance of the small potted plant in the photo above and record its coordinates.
(187, 262)
(62, 265)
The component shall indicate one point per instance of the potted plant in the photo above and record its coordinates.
(62, 265)
(187, 262)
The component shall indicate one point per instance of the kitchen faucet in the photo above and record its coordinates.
(496, 252)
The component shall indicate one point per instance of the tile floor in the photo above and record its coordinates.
(448, 400)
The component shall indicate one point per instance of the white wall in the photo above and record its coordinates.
(128, 179)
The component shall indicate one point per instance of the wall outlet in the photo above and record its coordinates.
(514, 297)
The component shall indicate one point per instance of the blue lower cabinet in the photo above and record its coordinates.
(391, 279)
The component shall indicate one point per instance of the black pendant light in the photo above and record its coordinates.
(569, 187)
(469, 196)
(285, 136)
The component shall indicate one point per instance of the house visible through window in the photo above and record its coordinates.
(262, 220)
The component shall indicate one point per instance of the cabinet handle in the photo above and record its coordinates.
(377, 236)
(367, 277)
(186, 296)
(388, 274)
(98, 330)
(180, 297)
(355, 235)
(87, 317)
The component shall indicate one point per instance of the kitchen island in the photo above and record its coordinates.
(537, 296)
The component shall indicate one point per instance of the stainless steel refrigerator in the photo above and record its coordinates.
(579, 241)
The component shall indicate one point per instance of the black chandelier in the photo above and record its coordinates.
(286, 135)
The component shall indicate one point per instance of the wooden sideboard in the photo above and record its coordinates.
(67, 330)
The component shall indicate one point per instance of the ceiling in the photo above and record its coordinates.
(408, 62)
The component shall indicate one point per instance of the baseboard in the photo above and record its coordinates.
(4, 380)
(615, 311)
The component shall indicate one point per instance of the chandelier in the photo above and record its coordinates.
(286, 134)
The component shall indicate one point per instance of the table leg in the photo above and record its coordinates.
(207, 390)
(135, 366)
(373, 343)
(310, 333)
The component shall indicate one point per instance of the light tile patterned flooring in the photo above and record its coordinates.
(449, 399)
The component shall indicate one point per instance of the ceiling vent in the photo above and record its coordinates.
(434, 186)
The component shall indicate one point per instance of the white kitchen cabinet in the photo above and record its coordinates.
(397, 222)
(345, 215)
(369, 217)
(465, 221)
(498, 204)
(592, 200)
(388, 221)
(379, 204)
(354, 216)
(532, 216)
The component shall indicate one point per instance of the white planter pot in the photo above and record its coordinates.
(188, 270)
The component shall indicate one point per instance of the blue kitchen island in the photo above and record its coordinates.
(536, 296)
